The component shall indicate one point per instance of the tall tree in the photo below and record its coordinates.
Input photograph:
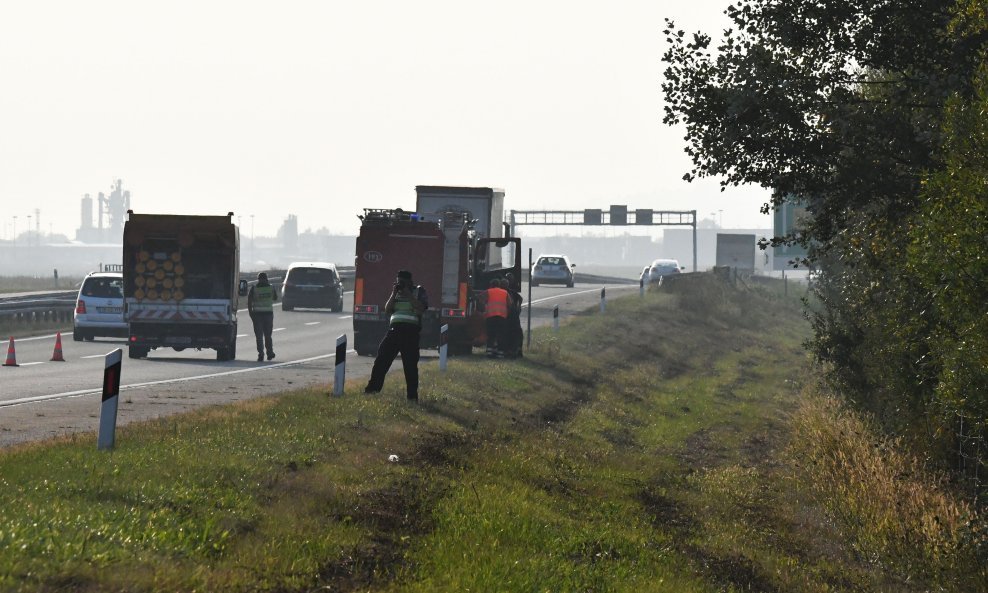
(844, 105)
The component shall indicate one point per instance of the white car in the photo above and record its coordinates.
(99, 307)
(553, 269)
(661, 268)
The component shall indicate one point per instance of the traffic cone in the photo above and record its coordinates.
(11, 355)
(57, 354)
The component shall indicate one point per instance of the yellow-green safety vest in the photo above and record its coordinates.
(404, 312)
(263, 299)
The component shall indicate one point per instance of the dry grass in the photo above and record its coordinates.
(892, 509)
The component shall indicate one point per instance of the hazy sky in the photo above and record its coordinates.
(322, 108)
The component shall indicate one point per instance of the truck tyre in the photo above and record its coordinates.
(136, 352)
(229, 353)
(460, 349)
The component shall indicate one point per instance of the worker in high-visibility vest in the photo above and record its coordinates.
(406, 305)
(260, 307)
(496, 306)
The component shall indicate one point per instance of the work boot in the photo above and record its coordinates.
(271, 355)
(370, 389)
(260, 357)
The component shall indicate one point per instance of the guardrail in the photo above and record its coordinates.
(41, 309)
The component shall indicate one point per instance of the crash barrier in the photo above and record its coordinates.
(37, 310)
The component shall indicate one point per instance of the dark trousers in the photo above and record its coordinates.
(495, 333)
(402, 338)
(515, 335)
(263, 326)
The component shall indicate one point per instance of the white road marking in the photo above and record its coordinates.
(278, 329)
(314, 323)
(345, 316)
(67, 394)
(94, 356)
(27, 364)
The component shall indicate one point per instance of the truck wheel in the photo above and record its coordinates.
(224, 354)
(460, 349)
(136, 352)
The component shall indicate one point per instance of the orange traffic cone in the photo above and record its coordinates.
(11, 355)
(57, 354)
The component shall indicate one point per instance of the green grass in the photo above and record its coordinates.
(646, 449)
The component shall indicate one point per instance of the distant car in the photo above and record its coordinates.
(553, 269)
(99, 307)
(661, 268)
(314, 285)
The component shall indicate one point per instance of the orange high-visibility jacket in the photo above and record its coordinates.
(497, 303)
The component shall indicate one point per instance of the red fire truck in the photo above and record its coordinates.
(444, 256)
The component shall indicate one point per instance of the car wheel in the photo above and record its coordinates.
(287, 308)
(90, 337)
(76, 335)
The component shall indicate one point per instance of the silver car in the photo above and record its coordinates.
(553, 269)
(99, 307)
(661, 268)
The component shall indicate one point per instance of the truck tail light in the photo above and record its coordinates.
(365, 309)
(358, 292)
(457, 313)
(80, 307)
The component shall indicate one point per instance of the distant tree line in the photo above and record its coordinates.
(874, 113)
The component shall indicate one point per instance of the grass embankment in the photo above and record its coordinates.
(645, 449)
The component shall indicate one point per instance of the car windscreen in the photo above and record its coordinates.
(104, 288)
(311, 276)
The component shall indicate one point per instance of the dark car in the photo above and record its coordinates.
(314, 285)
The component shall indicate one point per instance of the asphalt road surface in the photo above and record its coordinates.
(41, 398)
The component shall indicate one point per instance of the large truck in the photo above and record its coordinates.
(446, 257)
(181, 283)
(482, 206)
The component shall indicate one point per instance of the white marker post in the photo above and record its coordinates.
(603, 299)
(555, 318)
(340, 377)
(443, 346)
(111, 396)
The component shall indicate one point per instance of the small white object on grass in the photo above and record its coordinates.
(393, 458)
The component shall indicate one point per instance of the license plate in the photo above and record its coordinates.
(109, 309)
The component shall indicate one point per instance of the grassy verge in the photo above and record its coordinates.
(662, 446)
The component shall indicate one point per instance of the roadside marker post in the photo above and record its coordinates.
(111, 396)
(641, 287)
(340, 377)
(443, 346)
(555, 318)
(603, 299)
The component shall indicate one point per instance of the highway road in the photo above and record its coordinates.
(41, 398)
